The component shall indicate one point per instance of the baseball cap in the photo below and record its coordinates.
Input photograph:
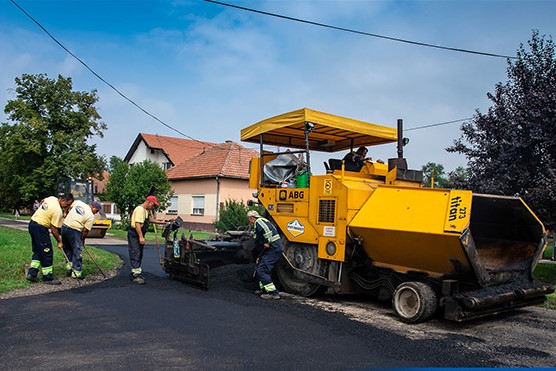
(97, 205)
(253, 213)
(153, 200)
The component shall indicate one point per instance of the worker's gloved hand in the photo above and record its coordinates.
(266, 246)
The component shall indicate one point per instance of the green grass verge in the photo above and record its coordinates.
(12, 216)
(546, 272)
(548, 252)
(15, 251)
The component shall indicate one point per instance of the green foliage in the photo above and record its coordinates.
(435, 172)
(15, 251)
(113, 163)
(511, 149)
(458, 179)
(46, 138)
(130, 184)
(233, 216)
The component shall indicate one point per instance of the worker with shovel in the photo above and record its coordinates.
(140, 221)
(268, 247)
(77, 225)
(48, 217)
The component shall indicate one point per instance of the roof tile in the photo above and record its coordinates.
(177, 149)
(228, 159)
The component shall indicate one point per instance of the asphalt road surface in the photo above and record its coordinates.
(166, 324)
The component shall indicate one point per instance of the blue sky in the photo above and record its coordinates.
(209, 70)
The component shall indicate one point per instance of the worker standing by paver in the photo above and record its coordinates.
(268, 248)
(47, 217)
(139, 226)
(77, 225)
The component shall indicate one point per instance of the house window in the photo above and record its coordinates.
(167, 165)
(173, 209)
(198, 204)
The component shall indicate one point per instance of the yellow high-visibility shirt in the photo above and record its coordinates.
(139, 215)
(80, 216)
(49, 213)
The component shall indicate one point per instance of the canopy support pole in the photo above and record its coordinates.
(308, 128)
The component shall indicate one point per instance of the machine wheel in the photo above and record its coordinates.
(304, 257)
(414, 302)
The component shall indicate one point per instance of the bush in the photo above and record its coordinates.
(233, 215)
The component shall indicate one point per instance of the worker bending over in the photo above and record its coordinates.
(268, 248)
(47, 217)
(77, 225)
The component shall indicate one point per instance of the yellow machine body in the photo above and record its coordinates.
(379, 226)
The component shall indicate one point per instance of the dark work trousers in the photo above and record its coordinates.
(73, 247)
(42, 246)
(266, 263)
(135, 251)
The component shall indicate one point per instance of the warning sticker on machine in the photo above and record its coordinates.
(329, 231)
(296, 228)
(328, 186)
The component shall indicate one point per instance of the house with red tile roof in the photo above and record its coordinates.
(203, 175)
(167, 151)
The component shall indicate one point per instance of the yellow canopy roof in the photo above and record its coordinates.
(331, 133)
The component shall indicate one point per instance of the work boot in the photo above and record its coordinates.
(50, 280)
(274, 295)
(32, 277)
(138, 279)
(76, 275)
(68, 273)
(259, 292)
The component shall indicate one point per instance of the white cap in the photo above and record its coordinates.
(253, 213)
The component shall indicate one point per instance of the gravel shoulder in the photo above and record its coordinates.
(68, 283)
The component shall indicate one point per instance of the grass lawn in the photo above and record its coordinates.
(15, 251)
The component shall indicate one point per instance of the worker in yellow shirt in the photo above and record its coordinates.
(48, 217)
(77, 225)
(140, 221)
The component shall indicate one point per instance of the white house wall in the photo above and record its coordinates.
(143, 153)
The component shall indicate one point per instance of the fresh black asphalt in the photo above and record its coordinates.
(166, 324)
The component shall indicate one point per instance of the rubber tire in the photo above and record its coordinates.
(414, 302)
(287, 278)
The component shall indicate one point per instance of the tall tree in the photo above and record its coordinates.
(113, 162)
(128, 186)
(511, 150)
(458, 179)
(46, 138)
(434, 172)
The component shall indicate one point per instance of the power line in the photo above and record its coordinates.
(102, 79)
(162, 122)
(360, 32)
(438, 124)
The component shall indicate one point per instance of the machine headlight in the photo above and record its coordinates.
(331, 248)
